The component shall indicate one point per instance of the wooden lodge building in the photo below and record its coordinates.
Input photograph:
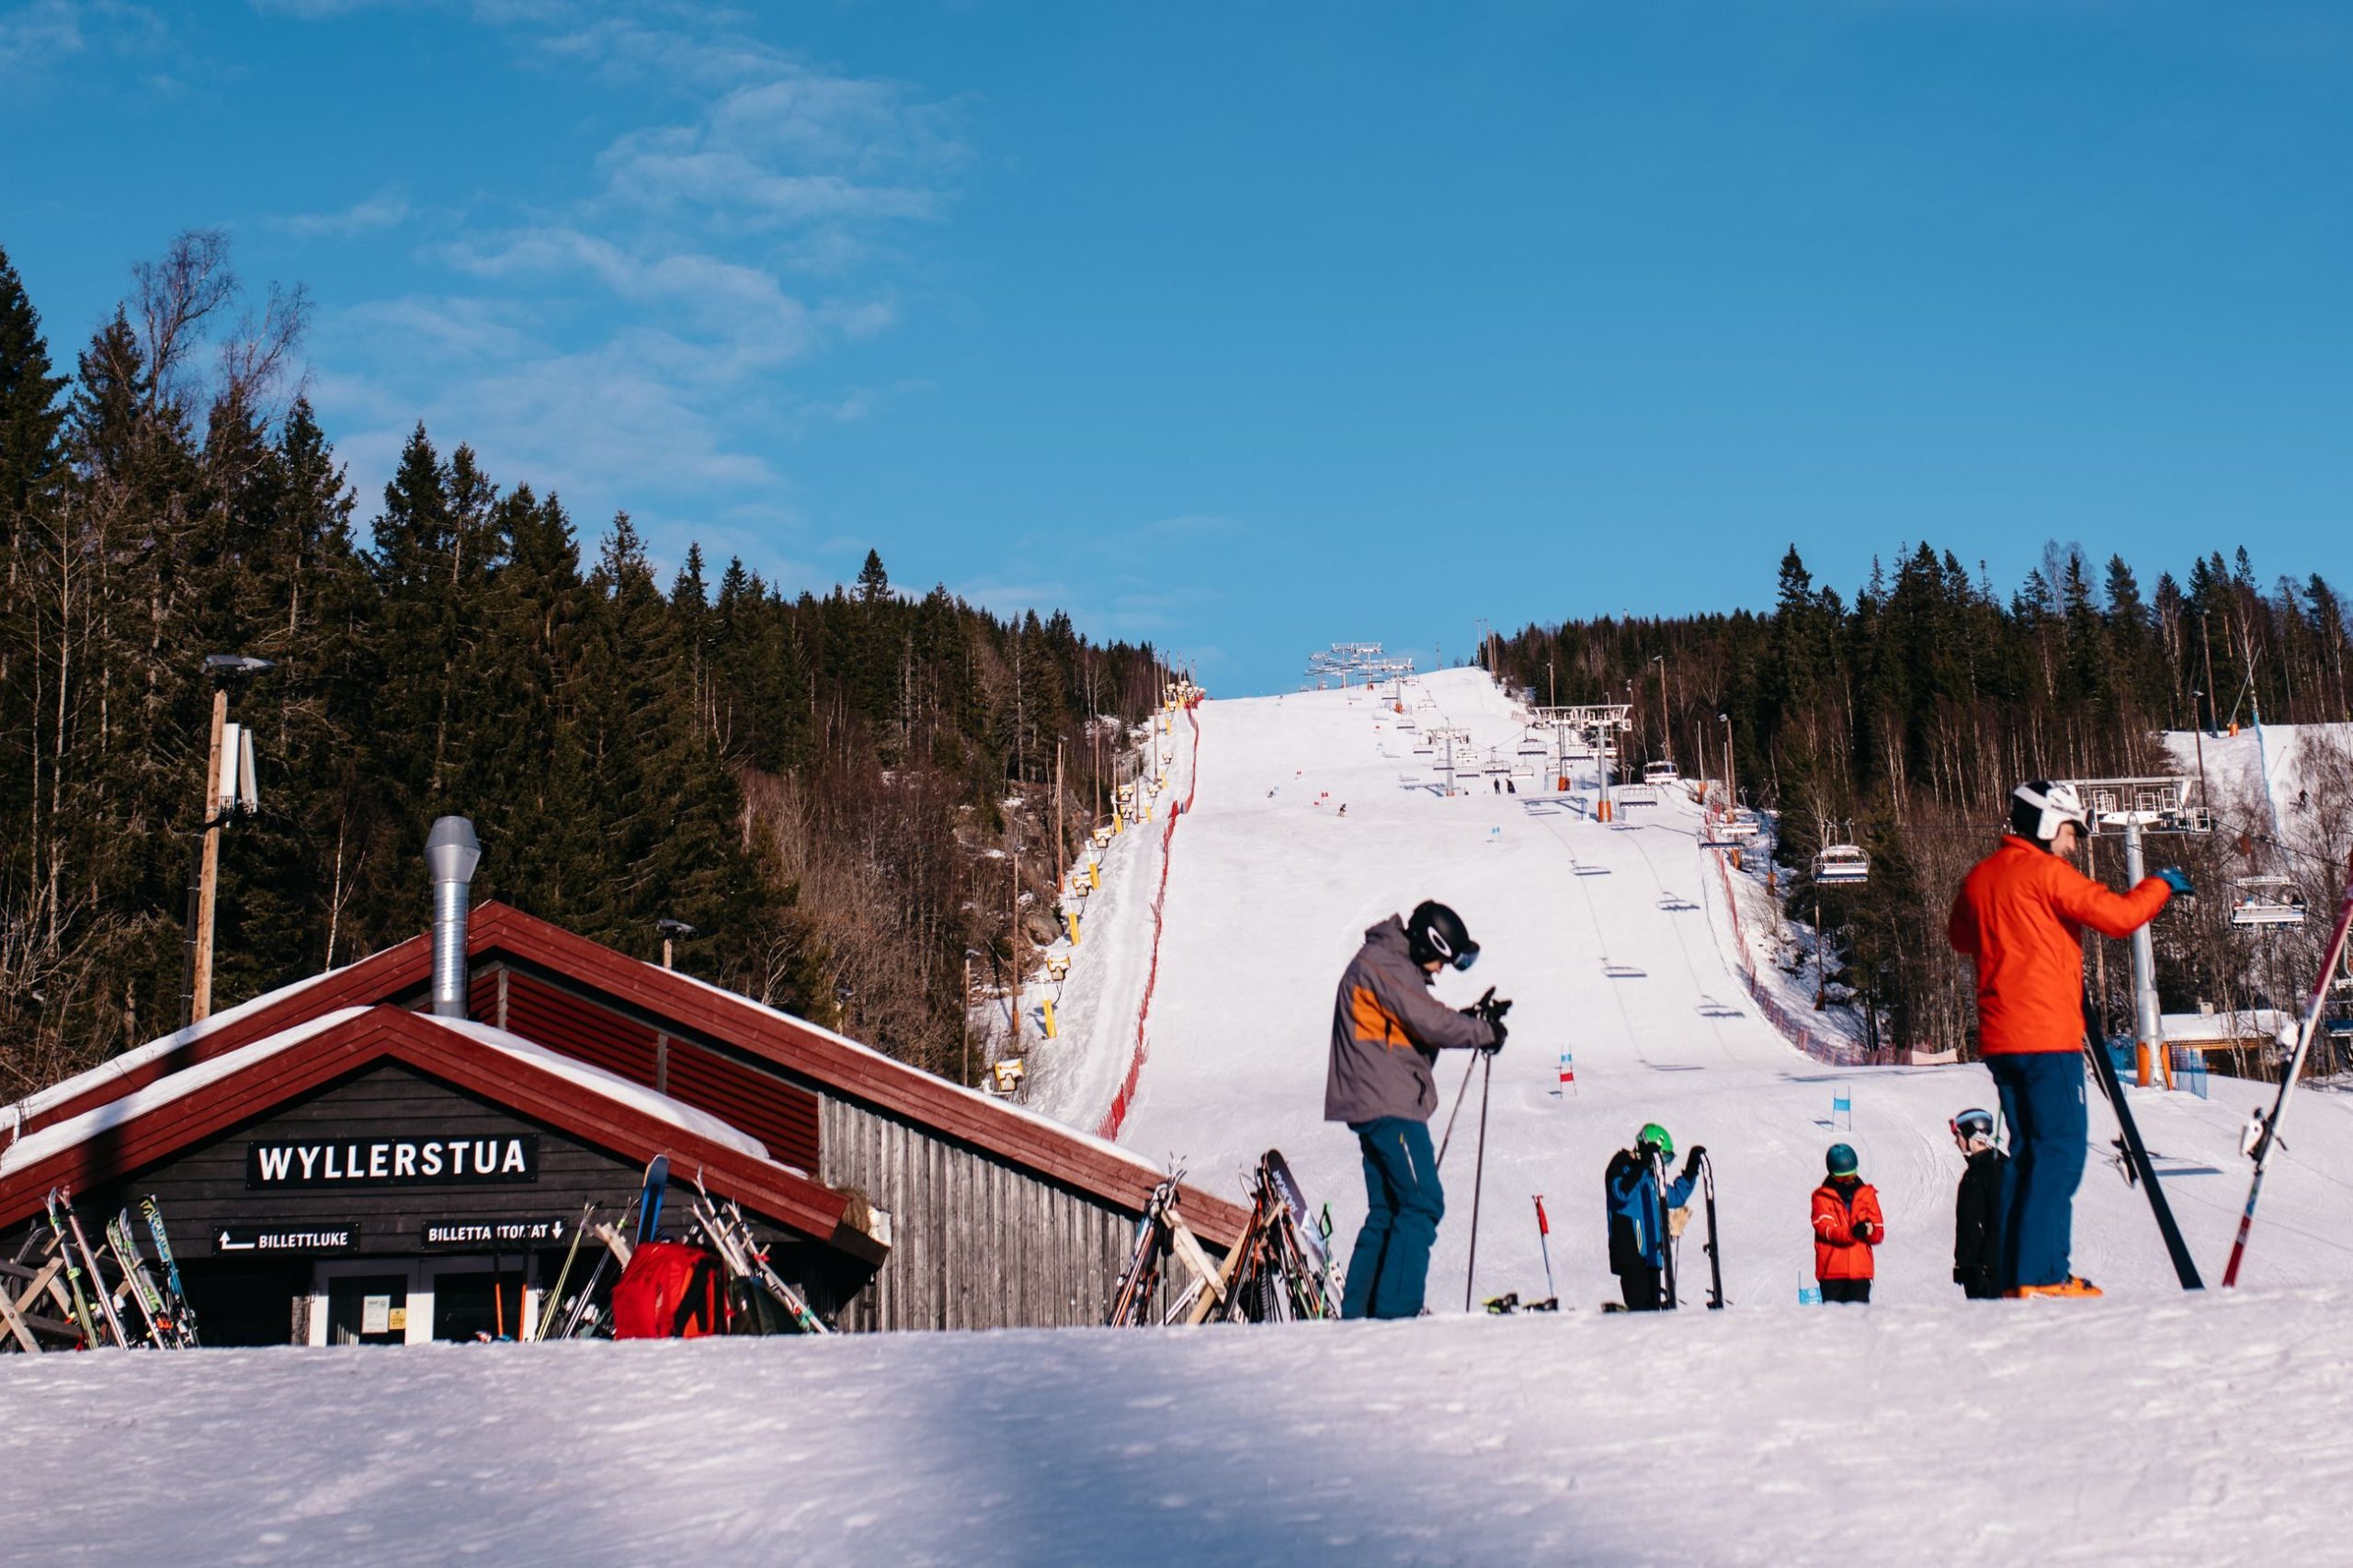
(399, 1151)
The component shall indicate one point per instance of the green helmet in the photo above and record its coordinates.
(1840, 1161)
(1654, 1136)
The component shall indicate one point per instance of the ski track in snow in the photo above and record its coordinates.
(2082, 1432)
(1269, 896)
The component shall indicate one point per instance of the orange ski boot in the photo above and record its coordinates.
(2076, 1285)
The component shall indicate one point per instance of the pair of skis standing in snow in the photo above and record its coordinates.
(2020, 916)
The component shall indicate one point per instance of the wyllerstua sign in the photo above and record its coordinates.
(280, 1164)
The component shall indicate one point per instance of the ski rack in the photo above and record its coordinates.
(1162, 1233)
(1273, 1273)
(63, 1292)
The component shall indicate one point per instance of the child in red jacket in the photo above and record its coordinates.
(1847, 1226)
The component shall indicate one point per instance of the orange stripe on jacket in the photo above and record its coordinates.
(1375, 1024)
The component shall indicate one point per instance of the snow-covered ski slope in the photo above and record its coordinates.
(2153, 1433)
(1630, 967)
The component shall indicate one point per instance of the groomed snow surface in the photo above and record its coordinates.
(2149, 1427)
(2198, 1433)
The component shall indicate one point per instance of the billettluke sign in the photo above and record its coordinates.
(310, 1238)
(392, 1162)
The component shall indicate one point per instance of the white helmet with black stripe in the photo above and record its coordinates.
(2039, 807)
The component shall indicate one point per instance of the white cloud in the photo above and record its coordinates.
(38, 35)
(388, 209)
(628, 332)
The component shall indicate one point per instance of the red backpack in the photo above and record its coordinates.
(669, 1290)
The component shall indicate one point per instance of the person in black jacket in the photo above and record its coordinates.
(1977, 1210)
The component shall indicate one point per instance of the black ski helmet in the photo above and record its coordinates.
(1436, 933)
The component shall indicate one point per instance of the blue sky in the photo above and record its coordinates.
(1249, 327)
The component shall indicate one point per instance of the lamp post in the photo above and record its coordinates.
(2197, 728)
(203, 887)
(1732, 787)
(1666, 738)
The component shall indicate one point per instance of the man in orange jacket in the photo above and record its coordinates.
(2020, 915)
(1847, 1226)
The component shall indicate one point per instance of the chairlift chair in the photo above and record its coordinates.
(1841, 864)
(2265, 901)
(1660, 772)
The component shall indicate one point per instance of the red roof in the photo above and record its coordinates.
(394, 1034)
(842, 1067)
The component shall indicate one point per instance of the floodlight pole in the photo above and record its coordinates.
(209, 885)
(2197, 728)
(196, 986)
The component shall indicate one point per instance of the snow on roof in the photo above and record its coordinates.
(130, 1060)
(612, 1086)
(2255, 1023)
(76, 1129)
(1004, 1108)
(79, 1129)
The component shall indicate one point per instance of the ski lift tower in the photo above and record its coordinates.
(1345, 661)
(2140, 806)
(1599, 720)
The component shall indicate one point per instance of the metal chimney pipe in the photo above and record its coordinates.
(452, 853)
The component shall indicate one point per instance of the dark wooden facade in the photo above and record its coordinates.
(978, 1239)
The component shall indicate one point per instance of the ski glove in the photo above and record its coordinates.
(2176, 878)
(1691, 1160)
(1497, 1043)
(1864, 1231)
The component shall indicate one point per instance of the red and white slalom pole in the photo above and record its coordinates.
(2331, 960)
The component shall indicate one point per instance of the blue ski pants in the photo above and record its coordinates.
(1403, 1206)
(2042, 1101)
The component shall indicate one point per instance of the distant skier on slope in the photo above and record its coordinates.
(1387, 1030)
(1977, 1207)
(1642, 1219)
(2020, 915)
(1847, 1226)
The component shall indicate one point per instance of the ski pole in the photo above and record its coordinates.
(1478, 1175)
(1457, 1111)
(1544, 1244)
(2332, 957)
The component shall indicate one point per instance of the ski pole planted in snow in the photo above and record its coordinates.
(2267, 1135)
(1459, 1095)
(1544, 1244)
(1478, 1173)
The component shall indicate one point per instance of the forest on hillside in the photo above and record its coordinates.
(814, 783)
(1904, 718)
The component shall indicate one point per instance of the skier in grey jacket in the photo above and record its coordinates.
(1387, 1030)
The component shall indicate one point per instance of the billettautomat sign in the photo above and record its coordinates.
(280, 1164)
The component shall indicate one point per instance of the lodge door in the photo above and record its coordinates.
(367, 1308)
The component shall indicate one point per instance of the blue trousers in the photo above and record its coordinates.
(2042, 1101)
(1403, 1206)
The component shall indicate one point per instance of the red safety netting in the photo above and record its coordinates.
(1118, 1115)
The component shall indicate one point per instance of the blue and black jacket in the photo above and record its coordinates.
(1636, 1215)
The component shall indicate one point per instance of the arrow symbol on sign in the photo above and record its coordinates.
(225, 1245)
